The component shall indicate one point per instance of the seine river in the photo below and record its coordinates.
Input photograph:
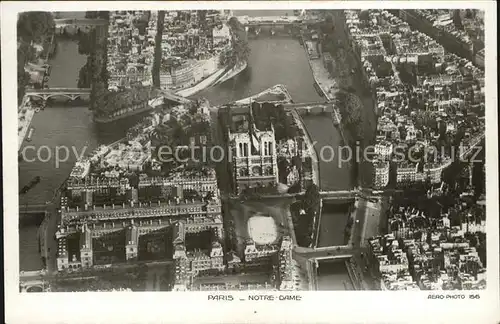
(273, 60)
(332, 275)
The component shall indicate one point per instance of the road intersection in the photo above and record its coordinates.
(365, 224)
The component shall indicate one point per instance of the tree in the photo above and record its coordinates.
(469, 14)
(33, 26)
(85, 44)
(202, 17)
(364, 15)
(295, 188)
(240, 48)
(311, 197)
(457, 20)
(142, 22)
(327, 26)
(350, 107)
(85, 75)
(235, 24)
(283, 168)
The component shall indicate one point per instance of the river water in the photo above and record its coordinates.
(332, 275)
(334, 170)
(273, 60)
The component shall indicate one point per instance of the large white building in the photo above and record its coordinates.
(406, 173)
(381, 178)
(221, 33)
(259, 254)
(384, 149)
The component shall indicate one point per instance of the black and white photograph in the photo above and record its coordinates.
(273, 151)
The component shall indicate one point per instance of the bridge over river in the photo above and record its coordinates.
(74, 93)
(335, 169)
(69, 93)
(79, 22)
(274, 21)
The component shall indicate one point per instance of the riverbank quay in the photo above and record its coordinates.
(37, 72)
(323, 79)
(46, 234)
(221, 76)
(317, 225)
(340, 127)
(231, 73)
(310, 148)
(326, 83)
(25, 115)
(131, 111)
(202, 85)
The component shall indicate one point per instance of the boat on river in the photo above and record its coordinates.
(318, 89)
(336, 116)
(30, 134)
(30, 185)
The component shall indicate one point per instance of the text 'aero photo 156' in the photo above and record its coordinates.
(251, 150)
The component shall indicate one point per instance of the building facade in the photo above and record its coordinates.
(381, 177)
(406, 173)
(121, 227)
(254, 158)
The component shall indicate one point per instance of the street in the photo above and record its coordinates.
(47, 230)
(368, 215)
